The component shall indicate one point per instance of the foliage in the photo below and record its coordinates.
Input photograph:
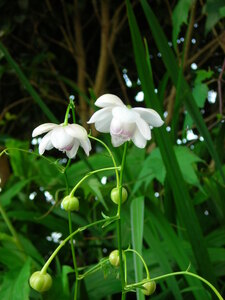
(174, 215)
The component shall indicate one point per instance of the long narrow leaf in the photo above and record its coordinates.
(27, 85)
(186, 212)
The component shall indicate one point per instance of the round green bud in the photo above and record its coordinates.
(149, 288)
(40, 282)
(115, 195)
(70, 203)
(114, 258)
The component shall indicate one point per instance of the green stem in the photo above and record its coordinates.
(89, 174)
(144, 263)
(67, 115)
(94, 269)
(73, 256)
(138, 284)
(111, 155)
(80, 229)
(119, 234)
(11, 229)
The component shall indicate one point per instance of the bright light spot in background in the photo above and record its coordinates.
(212, 96)
(126, 78)
(156, 91)
(168, 128)
(54, 237)
(165, 114)
(194, 66)
(104, 180)
(32, 196)
(193, 41)
(139, 97)
(178, 41)
(49, 197)
(159, 54)
(184, 141)
(170, 44)
(201, 138)
(63, 161)
(191, 135)
(138, 81)
(192, 147)
(104, 250)
(182, 39)
(196, 25)
(206, 212)
(156, 194)
(179, 142)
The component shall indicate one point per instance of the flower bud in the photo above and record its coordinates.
(115, 195)
(149, 288)
(114, 258)
(70, 203)
(40, 282)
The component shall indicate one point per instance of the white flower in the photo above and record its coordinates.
(66, 138)
(123, 123)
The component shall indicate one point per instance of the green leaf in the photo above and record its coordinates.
(137, 225)
(186, 213)
(202, 75)
(27, 85)
(213, 11)
(94, 185)
(11, 192)
(200, 93)
(15, 284)
(179, 17)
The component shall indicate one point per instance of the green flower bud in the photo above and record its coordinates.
(114, 258)
(149, 288)
(115, 195)
(70, 203)
(40, 282)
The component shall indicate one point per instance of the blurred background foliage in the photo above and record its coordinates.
(167, 55)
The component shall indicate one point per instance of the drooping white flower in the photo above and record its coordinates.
(123, 123)
(65, 138)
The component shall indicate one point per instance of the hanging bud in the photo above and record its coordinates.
(40, 282)
(70, 203)
(149, 288)
(114, 258)
(115, 195)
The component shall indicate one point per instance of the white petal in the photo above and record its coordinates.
(43, 128)
(76, 131)
(117, 140)
(86, 145)
(104, 125)
(45, 143)
(109, 100)
(72, 153)
(125, 114)
(104, 113)
(138, 139)
(61, 140)
(150, 116)
(143, 128)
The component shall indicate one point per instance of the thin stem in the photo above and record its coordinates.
(11, 229)
(89, 174)
(73, 256)
(80, 229)
(111, 155)
(138, 284)
(94, 269)
(119, 233)
(144, 263)
(67, 115)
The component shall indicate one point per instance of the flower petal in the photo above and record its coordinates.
(104, 125)
(76, 131)
(72, 153)
(138, 139)
(101, 114)
(125, 114)
(86, 145)
(109, 100)
(117, 140)
(143, 128)
(45, 143)
(61, 140)
(150, 116)
(43, 128)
